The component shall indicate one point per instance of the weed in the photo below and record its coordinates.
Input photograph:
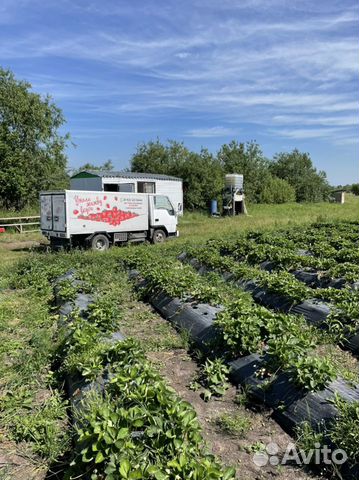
(237, 425)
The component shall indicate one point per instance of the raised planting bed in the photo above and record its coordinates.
(128, 423)
(302, 392)
(288, 299)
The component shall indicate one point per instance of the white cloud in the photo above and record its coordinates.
(268, 70)
(211, 132)
(321, 133)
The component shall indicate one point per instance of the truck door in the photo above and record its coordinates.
(46, 212)
(163, 213)
(59, 212)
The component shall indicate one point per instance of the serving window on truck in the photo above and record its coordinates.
(126, 187)
(146, 187)
(110, 187)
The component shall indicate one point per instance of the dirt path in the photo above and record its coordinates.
(17, 463)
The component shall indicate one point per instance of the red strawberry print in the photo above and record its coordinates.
(113, 217)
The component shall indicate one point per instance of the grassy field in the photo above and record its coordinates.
(195, 226)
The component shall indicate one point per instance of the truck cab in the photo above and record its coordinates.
(162, 214)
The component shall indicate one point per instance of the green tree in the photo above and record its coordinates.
(276, 190)
(202, 180)
(32, 154)
(201, 173)
(246, 159)
(297, 169)
(152, 157)
(355, 188)
(106, 166)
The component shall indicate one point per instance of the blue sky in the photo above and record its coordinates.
(284, 73)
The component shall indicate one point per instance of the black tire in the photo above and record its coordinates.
(100, 243)
(159, 236)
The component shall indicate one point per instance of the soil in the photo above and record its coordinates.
(17, 463)
(21, 245)
(179, 370)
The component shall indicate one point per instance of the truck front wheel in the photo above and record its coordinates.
(159, 236)
(100, 243)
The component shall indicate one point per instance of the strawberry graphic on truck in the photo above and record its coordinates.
(98, 220)
(113, 217)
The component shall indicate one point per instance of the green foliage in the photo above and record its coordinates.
(44, 428)
(297, 169)
(247, 159)
(276, 190)
(214, 378)
(201, 172)
(313, 373)
(307, 439)
(32, 154)
(202, 180)
(237, 425)
(355, 188)
(141, 429)
(243, 326)
(345, 431)
(32, 406)
(106, 166)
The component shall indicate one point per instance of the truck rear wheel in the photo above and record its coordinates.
(100, 243)
(159, 236)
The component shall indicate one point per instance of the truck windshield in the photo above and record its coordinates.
(162, 202)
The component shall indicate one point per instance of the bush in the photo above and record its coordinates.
(298, 170)
(276, 190)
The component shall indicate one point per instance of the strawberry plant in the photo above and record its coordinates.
(214, 378)
(312, 373)
(140, 428)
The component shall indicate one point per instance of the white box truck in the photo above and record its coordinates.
(98, 219)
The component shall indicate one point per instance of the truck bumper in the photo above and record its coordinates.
(173, 235)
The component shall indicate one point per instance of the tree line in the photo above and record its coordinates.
(33, 158)
(287, 177)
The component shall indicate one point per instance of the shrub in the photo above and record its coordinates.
(277, 190)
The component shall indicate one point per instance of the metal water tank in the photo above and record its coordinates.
(234, 180)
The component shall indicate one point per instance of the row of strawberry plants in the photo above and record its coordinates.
(328, 244)
(344, 313)
(244, 330)
(337, 235)
(137, 428)
(287, 340)
(287, 258)
(140, 429)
